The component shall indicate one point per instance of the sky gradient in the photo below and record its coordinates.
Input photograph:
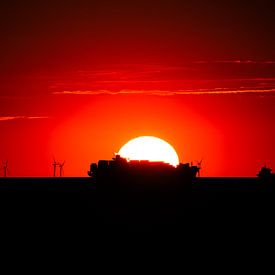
(78, 79)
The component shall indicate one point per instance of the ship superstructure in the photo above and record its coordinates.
(120, 167)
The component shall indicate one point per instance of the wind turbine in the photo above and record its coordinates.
(199, 167)
(61, 171)
(5, 168)
(55, 164)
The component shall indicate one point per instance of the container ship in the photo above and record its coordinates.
(119, 168)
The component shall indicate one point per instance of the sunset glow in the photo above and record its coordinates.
(149, 148)
(79, 80)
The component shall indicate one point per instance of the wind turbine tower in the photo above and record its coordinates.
(200, 167)
(61, 171)
(5, 168)
(55, 164)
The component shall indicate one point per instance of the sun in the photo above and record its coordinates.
(149, 148)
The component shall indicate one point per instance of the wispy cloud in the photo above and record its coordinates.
(9, 118)
(204, 77)
(248, 61)
(217, 91)
(221, 92)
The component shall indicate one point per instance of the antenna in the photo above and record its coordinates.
(61, 171)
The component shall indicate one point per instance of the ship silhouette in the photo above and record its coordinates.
(120, 169)
(266, 173)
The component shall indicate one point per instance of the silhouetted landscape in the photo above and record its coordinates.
(157, 205)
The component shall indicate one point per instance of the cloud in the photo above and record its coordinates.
(89, 92)
(9, 118)
(217, 91)
(248, 61)
(222, 92)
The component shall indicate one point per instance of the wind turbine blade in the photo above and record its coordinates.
(54, 160)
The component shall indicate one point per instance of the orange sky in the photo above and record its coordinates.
(232, 133)
(78, 79)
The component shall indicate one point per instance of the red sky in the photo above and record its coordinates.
(78, 79)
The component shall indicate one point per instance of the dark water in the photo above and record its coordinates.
(77, 207)
(209, 223)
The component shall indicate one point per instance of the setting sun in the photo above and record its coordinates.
(149, 148)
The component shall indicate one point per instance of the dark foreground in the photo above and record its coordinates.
(75, 206)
